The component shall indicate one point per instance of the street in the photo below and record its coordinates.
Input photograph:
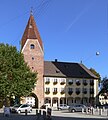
(56, 115)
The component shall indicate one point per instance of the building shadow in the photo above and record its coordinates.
(34, 117)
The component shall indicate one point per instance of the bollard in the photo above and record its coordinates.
(40, 112)
(48, 114)
(92, 111)
(99, 111)
(44, 115)
(107, 112)
(38, 116)
(25, 112)
(86, 110)
(82, 110)
(103, 109)
(36, 111)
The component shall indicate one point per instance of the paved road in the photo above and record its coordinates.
(65, 115)
(56, 115)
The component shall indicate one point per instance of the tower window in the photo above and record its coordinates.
(32, 46)
(30, 26)
(32, 58)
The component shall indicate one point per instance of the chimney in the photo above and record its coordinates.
(55, 60)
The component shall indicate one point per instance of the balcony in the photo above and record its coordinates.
(62, 83)
(55, 82)
(70, 92)
(62, 92)
(54, 92)
(85, 83)
(70, 82)
(78, 92)
(47, 82)
(85, 92)
(47, 92)
(78, 83)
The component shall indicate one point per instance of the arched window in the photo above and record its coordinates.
(32, 46)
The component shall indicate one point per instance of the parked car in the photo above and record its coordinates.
(77, 108)
(21, 108)
(63, 107)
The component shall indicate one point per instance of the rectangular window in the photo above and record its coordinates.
(70, 80)
(62, 80)
(47, 90)
(55, 80)
(47, 80)
(84, 89)
(70, 89)
(77, 89)
(55, 90)
(62, 89)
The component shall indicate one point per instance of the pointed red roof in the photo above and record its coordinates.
(31, 32)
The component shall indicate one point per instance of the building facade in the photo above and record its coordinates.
(58, 82)
(69, 83)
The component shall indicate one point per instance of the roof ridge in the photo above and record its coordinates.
(87, 70)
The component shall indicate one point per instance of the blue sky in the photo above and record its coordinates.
(71, 30)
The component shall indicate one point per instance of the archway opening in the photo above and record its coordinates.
(33, 100)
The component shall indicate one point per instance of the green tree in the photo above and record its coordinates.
(16, 78)
(104, 87)
(97, 74)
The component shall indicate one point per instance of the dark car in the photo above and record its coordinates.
(63, 107)
(77, 108)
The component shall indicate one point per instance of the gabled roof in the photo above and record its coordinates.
(67, 69)
(31, 32)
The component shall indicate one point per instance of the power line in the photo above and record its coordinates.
(42, 8)
(11, 20)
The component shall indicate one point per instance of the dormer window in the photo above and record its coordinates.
(30, 26)
(32, 46)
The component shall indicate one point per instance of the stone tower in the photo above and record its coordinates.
(32, 48)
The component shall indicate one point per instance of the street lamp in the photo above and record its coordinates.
(97, 53)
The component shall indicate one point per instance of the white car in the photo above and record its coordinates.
(21, 108)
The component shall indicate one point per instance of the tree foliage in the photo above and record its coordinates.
(96, 73)
(104, 87)
(16, 78)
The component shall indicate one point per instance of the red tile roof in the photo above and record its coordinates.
(31, 32)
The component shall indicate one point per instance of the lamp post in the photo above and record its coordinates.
(97, 54)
